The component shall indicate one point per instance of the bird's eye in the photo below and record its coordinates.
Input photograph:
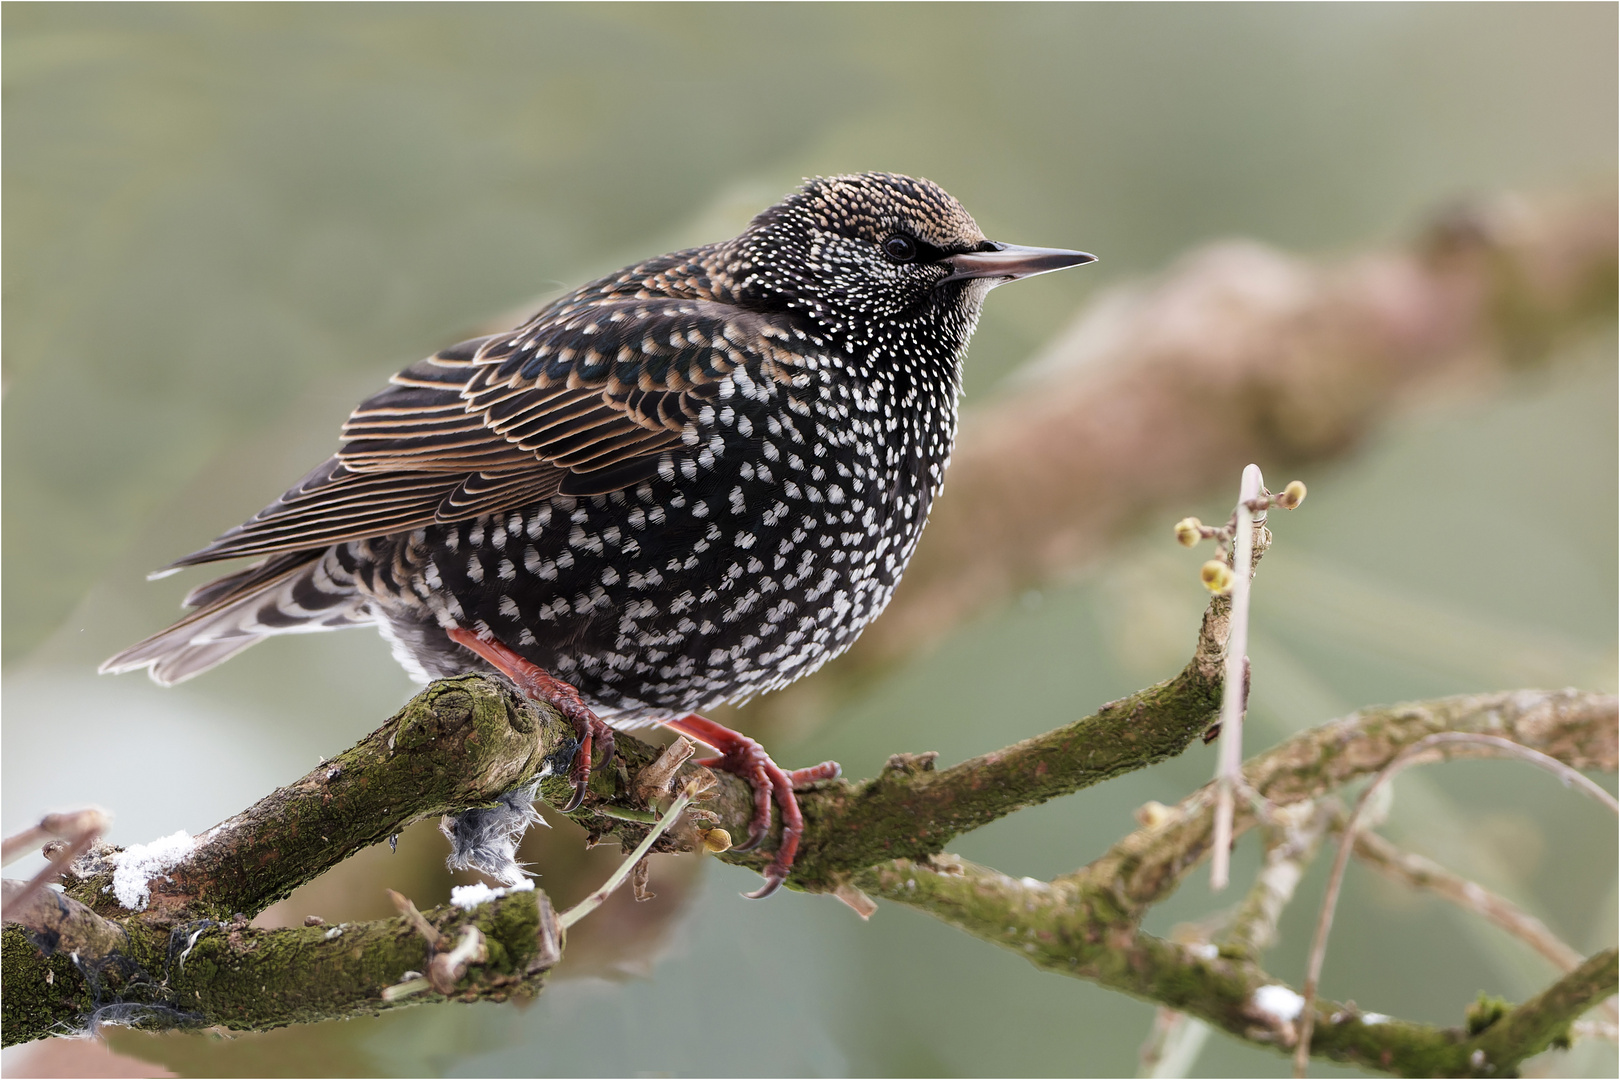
(900, 248)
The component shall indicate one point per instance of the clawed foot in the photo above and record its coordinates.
(539, 685)
(739, 754)
(744, 757)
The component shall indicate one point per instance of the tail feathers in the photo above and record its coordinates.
(299, 592)
(183, 661)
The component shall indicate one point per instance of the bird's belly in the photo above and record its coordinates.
(655, 602)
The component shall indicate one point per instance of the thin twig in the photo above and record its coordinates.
(403, 904)
(1229, 770)
(71, 925)
(1172, 1047)
(1418, 753)
(79, 828)
(1578, 727)
(1293, 835)
(1417, 872)
(619, 876)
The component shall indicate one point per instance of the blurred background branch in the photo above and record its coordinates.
(1239, 352)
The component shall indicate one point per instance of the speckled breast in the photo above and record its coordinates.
(755, 555)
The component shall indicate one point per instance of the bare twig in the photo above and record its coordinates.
(403, 905)
(79, 828)
(1577, 727)
(626, 868)
(1173, 1045)
(1414, 871)
(1293, 835)
(1423, 751)
(73, 927)
(1234, 694)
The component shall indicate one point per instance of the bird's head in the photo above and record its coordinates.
(877, 251)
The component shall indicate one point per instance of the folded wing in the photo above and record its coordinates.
(583, 400)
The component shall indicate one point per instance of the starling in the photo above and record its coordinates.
(687, 483)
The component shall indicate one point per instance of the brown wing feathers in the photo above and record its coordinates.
(582, 401)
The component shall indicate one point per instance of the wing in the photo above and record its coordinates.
(583, 400)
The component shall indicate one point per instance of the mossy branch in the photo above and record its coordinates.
(463, 742)
(1086, 924)
(1576, 727)
(206, 972)
(1067, 928)
(190, 957)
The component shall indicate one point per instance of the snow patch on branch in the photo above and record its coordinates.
(467, 897)
(136, 866)
(1278, 1003)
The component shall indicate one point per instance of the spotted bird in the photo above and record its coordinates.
(687, 483)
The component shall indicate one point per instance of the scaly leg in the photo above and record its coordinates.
(539, 685)
(746, 758)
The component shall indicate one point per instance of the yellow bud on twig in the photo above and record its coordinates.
(1217, 577)
(1152, 814)
(715, 840)
(1291, 496)
(1189, 531)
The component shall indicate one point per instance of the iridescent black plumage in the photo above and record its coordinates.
(684, 484)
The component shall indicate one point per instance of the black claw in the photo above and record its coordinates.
(772, 883)
(580, 787)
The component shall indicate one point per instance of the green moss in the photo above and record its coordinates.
(1485, 1011)
(40, 995)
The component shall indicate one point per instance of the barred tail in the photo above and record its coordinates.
(295, 593)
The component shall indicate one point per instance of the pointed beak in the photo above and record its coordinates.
(1012, 262)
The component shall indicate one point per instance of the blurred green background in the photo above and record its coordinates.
(226, 224)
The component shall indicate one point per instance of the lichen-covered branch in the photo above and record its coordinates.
(182, 951)
(912, 811)
(1546, 1018)
(1086, 924)
(1067, 928)
(464, 742)
(1576, 727)
(208, 972)
(459, 743)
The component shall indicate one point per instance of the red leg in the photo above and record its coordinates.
(540, 685)
(746, 758)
